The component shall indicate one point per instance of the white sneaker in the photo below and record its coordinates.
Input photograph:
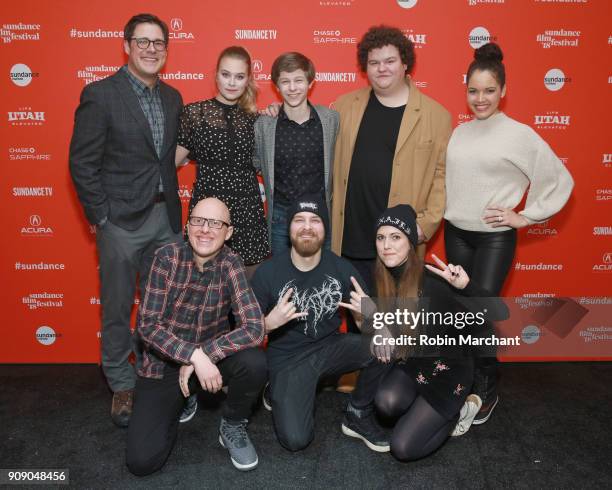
(466, 416)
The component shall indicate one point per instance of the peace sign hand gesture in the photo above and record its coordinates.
(283, 312)
(453, 274)
(356, 297)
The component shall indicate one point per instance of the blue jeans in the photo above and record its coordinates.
(280, 241)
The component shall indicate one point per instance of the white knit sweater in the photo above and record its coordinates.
(491, 162)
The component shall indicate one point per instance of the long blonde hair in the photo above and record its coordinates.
(247, 100)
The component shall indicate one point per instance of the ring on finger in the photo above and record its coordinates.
(500, 219)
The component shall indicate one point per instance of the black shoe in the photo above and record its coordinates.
(362, 424)
(265, 397)
(486, 410)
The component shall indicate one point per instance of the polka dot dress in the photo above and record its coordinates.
(220, 138)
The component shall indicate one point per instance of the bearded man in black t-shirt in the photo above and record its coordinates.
(300, 293)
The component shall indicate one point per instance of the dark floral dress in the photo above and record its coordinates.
(220, 138)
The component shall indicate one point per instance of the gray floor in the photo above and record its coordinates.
(551, 429)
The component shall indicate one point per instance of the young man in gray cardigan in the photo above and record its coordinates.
(295, 150)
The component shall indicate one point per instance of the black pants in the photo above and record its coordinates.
(419, 429)
(293, 386)
(158, 403)
(487, 258)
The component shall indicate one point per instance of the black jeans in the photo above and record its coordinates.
(158, 403)
(487, 258)
(293, 386)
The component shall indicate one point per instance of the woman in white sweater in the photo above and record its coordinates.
(491, 162)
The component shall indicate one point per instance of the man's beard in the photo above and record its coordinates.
(307, 248)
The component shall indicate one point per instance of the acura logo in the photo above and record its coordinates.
(176, 24)
(607, 258)
(257, 66)
(35, 220)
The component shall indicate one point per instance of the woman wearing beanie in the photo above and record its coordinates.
(490, 163)
(428, 387)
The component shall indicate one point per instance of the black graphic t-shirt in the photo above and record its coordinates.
(317, 292)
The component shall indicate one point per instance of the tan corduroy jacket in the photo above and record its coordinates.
(418, 166)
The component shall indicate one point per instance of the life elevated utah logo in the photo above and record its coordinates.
(419, 40)
(25, 116)
(36, 228)
(551, 120)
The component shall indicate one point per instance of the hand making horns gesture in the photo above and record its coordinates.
(453, 274)
(283, 312)
(356, 297)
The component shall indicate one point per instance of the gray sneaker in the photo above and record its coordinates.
(466, 415)
(190, 409)
(235, 439)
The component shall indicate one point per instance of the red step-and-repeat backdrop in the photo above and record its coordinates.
(557, 55)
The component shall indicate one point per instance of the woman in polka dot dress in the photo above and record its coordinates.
(218, 134)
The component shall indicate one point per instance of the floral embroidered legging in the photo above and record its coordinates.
(420, 429)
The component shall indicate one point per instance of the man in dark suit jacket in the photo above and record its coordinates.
(122, 164)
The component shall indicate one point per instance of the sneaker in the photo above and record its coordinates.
(362, 424)
(121, 409)
(235, 439)
(190, 408)
(486, 410)
(266, 400)
(469, 410)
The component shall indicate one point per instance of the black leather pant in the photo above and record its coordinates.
(487, 258)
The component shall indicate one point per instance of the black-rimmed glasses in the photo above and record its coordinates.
(212, 223)
(144, 43)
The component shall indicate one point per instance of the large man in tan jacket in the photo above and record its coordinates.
(390, 150)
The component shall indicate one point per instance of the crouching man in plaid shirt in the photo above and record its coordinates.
(183, 322)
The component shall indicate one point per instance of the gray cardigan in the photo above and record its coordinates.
(263, 155)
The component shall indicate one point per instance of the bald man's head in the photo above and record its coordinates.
(208, 229)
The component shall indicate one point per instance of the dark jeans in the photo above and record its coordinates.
(158, 403)
(293, 387)
(487, 258)
(280, 241)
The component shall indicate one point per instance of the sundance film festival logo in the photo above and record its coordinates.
(555, 79)
(46, 335)
(256, 34)
(332, 36)
(25, 116)
(559, 38)
(19, 32)
(407, 4)
(552, 120)
(36, 228)
(542, 229)
(21, 75)
(419, 40)
(36, 301)
(605, 265)
(95, 72)
(17, 153)
(603, 195)
(479, 36)
(177, 34)
(182, 75)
